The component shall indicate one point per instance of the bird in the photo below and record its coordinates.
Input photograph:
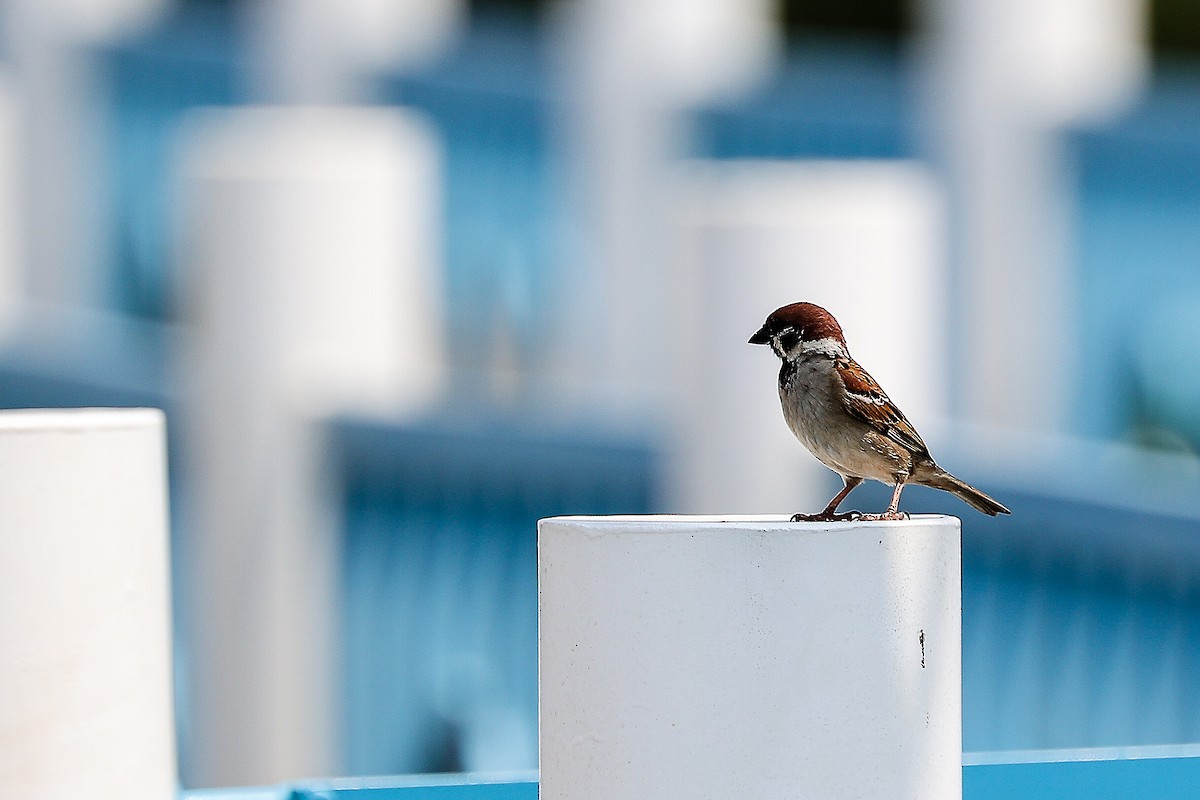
(840, 413)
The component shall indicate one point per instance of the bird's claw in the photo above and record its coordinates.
(848, 516)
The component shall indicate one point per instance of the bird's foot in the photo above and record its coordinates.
(886, 516)
(848, 516)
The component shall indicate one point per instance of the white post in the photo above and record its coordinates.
(701, 657)
(14, 279)
(629, 71)
(862, 239)
(313, 238)
(1004, 79)
(315, 51)
(85, 666)
(62, 122)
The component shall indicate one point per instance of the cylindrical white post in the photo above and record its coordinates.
(313, 236)
(629, 70)
(755, 235)
(60, 132)
(314, 51)
(700, 657)
(1004, 78)
(14, 280)
(85, 665)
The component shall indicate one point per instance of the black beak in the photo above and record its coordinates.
(762, 337)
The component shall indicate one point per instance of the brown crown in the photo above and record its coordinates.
(811, 321)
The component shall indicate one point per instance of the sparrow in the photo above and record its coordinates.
(844, 418)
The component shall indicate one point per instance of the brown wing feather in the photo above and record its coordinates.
(867, 401)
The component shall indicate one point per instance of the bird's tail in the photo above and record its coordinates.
(965, 492)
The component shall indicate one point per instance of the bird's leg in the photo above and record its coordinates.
(828, 514)
(893, 511)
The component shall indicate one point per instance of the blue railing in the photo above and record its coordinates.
(1157, 773)
(1152, 773)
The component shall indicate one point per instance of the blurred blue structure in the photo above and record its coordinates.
(505, 239)
(440, 565)
(187, 62)
(1138, 253)
(1081, 616)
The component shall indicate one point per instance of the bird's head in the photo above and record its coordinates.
(801, 329)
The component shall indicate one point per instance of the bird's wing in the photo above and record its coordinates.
(867, 401)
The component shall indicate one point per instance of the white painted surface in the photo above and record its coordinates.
(1004, 79)
(85, 665)
(13, 277)
(863, 239)
(61, 132)
(318, 229)
(315, 51)
(627, 72)
(705, 657)
(313, 236)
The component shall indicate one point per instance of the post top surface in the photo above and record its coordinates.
(755, 522)
(42, 420)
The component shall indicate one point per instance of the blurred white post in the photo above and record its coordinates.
(690, 657)
(313, 236)
(62, 122)
(863, 239)
(631, 68)
(1005, 78)
(14, 276)
(85, 666)
(317, 51)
